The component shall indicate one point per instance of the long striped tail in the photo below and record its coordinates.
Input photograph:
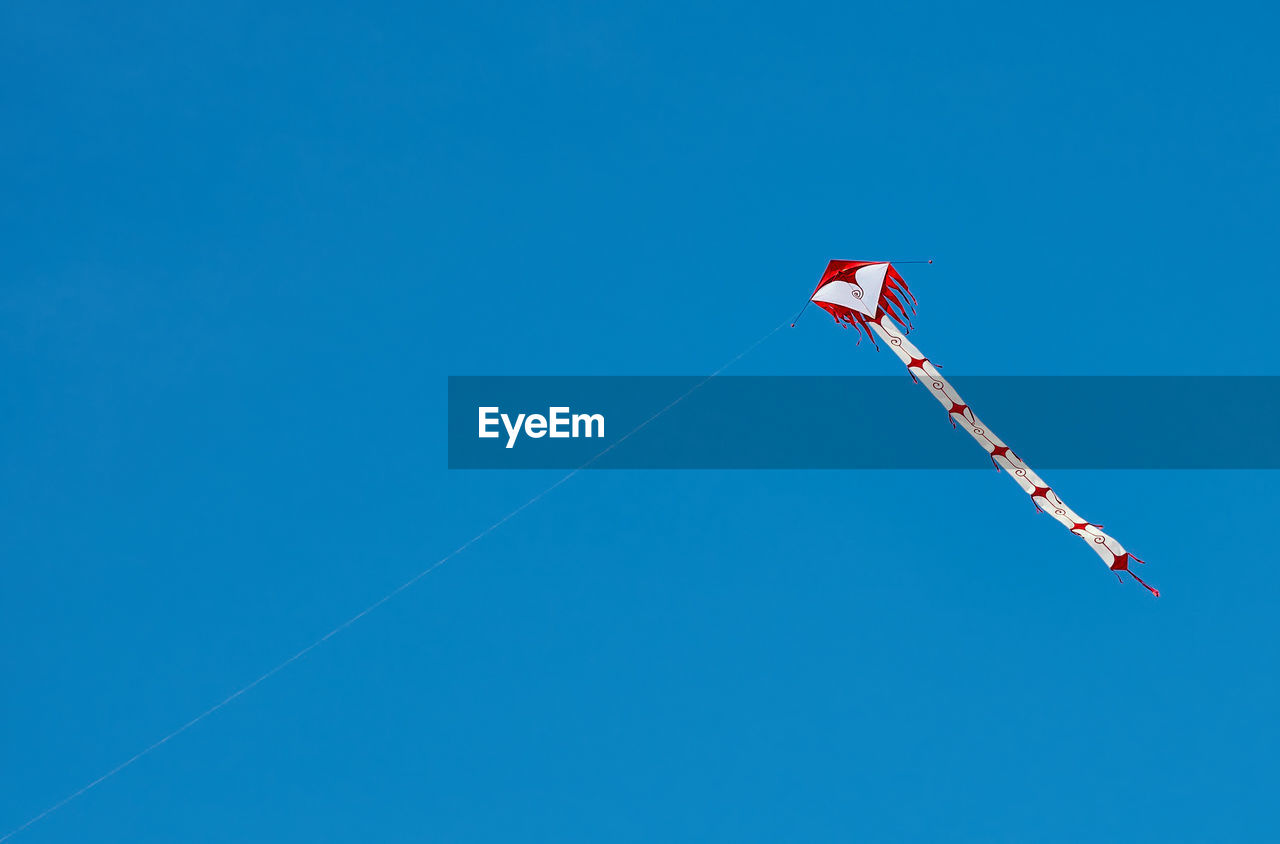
(1113, 554)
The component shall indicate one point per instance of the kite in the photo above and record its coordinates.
(860, 294)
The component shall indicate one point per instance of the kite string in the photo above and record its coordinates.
(384, 599)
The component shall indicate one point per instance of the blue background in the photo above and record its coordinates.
(244, 245)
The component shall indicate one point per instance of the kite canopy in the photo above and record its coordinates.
(858, 292)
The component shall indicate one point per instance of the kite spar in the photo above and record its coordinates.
(860, 294)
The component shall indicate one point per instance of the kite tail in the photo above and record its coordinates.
(1145, 585)
(1123, 565)
(1113, 554)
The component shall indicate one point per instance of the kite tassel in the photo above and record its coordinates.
(1154, 591)
(1122, 564)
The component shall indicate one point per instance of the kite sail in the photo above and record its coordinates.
(860, 294)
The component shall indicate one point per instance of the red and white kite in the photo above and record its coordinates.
(860, 293)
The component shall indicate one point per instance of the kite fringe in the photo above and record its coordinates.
(897, 282)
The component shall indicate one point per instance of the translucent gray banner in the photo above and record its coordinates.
(876, 422)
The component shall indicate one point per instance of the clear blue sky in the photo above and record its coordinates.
(243, 247)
